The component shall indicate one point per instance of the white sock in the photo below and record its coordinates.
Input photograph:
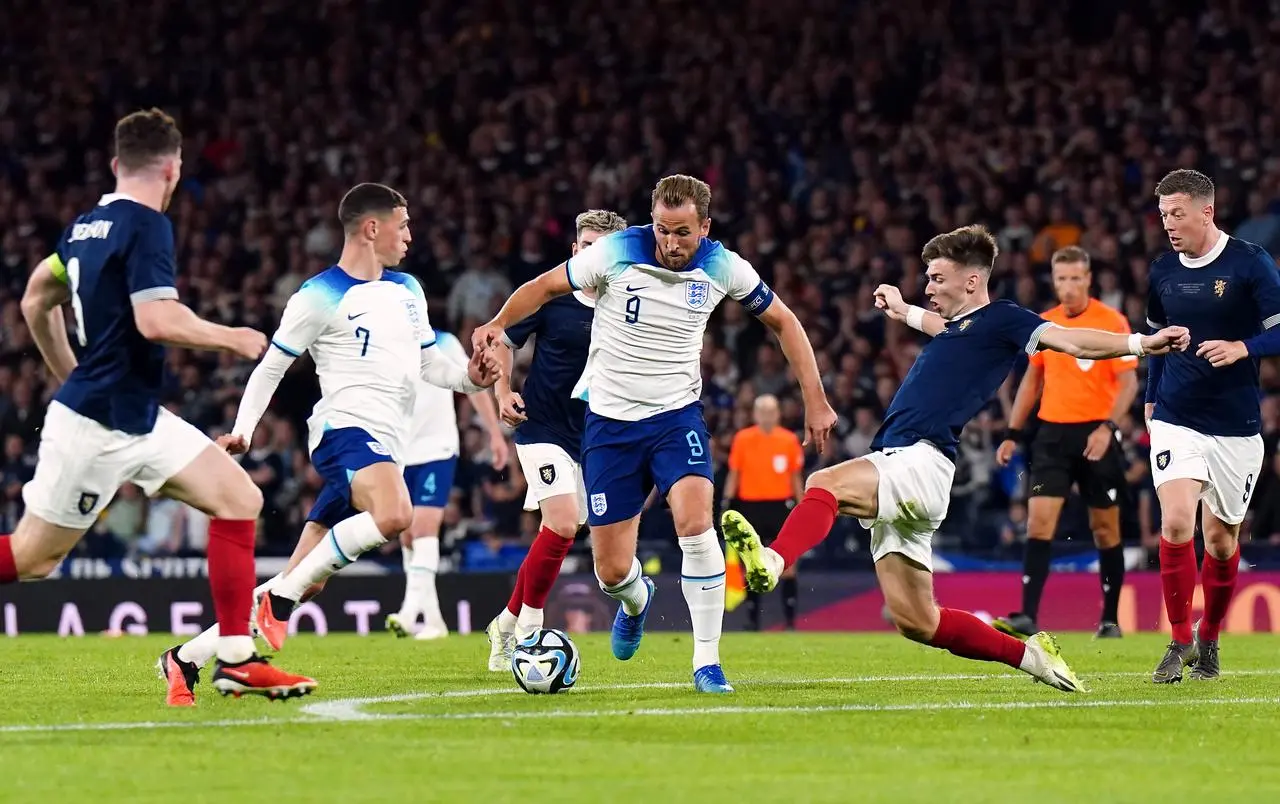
(633, 592)
(406, 557)
(349, 539)
(422, 580)
(506, 621)
(530, 620)
(202, 647)
(409, 608)
(1032, 662)
(234, 649)
(702, 581)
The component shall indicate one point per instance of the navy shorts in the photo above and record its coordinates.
(622, 461)
(429, 483)
(340, 454)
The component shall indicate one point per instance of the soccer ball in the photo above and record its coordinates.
(545, 661)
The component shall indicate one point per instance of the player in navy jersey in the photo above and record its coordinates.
(105, 426)
(900, 492)
(1203, 409)
(548, 421)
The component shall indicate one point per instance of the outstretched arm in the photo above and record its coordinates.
(1095, 344)
(819, 417)
(42, 308)
(526, 301)
(889, 299)
(258, 392)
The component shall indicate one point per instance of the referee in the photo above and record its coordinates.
(763, 484)
(1077, 442)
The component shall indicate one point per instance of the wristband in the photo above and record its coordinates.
(1014, 434)
(915, 318)
(1135, 345)
(1115, 428)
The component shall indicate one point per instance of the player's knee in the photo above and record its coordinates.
(242, 502)
(824, 479)
(1178, 526)
(612, 571)
(693, 524)
(394, 519)
(37, 568)
(1219, 538)
(562, 526)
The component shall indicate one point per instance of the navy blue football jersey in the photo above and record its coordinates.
(956, 374)
(563, 330)
(1230, 294)
(117, 255)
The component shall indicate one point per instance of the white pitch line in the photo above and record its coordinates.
(655, 712)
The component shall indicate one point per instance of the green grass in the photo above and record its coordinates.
(837, 718)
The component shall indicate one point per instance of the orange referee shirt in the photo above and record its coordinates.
(765, 463)
(1078, 390)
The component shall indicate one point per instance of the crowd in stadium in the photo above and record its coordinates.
(834, 151)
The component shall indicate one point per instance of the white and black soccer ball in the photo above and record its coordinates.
(545, 661)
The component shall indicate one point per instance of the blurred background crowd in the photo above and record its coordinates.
(837, 135)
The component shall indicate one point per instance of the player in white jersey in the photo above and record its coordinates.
(431, 455)
(657, 285)
(366, 328)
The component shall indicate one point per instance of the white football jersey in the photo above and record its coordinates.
(366, 338)
(434, 435)
(646, 339)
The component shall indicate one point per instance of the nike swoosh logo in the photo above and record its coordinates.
(354, 317)
(695, 463)
(713, 586)
(634, 289)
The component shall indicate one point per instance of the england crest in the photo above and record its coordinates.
(88, 501)
(548, 473)
(696, 293)
(598, 504)
(1162, 460)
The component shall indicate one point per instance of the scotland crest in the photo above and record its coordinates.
(548, 473)
(88, 500)
(696, 293)
(1162, 460)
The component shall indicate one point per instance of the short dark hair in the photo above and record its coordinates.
(145, 136)
(367, 199)
(1192, 182)
(1071, 254)
(972, 246)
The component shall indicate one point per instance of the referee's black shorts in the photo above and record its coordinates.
(1057, 462)
(766, 516)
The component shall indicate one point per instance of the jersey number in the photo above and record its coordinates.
(361, 332)
(696, 449)
(73, 280)
(633, 310)
(1248, 486)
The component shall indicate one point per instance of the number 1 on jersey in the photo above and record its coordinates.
(633, 310)
(73, 281)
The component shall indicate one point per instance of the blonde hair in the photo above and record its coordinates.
(599, 220)
(678, 190)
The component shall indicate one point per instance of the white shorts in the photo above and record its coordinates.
(1227, 465)
(914, 494)
(81, 464)
(550, 472)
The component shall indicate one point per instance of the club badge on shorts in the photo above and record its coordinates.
(1162, 460)
(598, 504)
(547, 473)
(88, 501)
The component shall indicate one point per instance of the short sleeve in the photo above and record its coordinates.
(744, 285)
(304, 319)
(517, 335)
(1156, 318)
(1266, 290)
(593, 266)
(1022, 328)
(58, 259)
(150, 266)
(735, 452)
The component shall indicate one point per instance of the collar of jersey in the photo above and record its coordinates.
(110, 198)
(966, 315)
(343, 271)
(1213, 253)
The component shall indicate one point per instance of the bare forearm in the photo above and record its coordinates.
(526, 301)
(179, 326)
(49, 329)
(506, 362)
(799, 354)
(1089, 344)
(1029, 391)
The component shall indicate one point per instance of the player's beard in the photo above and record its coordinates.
(676, 262)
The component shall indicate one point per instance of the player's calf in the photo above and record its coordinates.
(35, 549)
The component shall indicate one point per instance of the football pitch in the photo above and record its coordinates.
(817, 717)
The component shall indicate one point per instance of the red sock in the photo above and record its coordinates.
(1178, 580)
(8, 566)
(517, 594)
(970, 638)
(1218, 579)
(542, 566)
(806, 525)
(231, 575)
